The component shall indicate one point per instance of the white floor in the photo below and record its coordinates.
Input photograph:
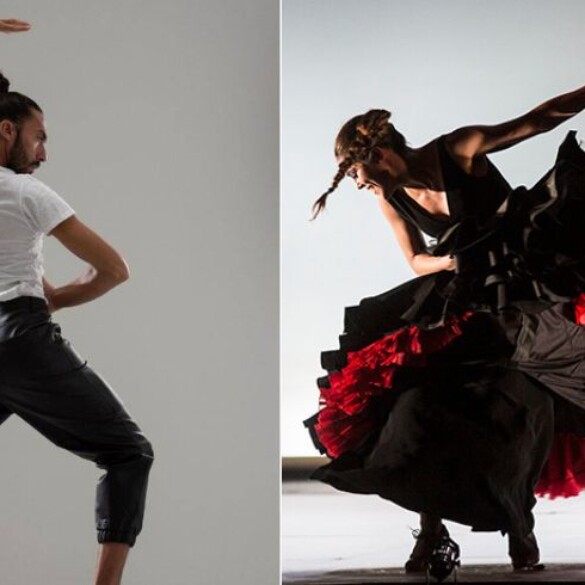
(327, 530)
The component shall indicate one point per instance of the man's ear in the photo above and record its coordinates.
(8, 130)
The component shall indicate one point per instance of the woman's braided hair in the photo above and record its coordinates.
(355, 142)
(14, 106)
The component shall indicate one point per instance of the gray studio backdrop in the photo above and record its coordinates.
(435, 65)
(163, 126)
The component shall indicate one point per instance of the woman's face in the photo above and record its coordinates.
(382, 174)
(366, 177)
(376, 177)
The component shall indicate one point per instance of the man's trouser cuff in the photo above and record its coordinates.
(116, 536)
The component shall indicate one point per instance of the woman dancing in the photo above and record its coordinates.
(461, 393)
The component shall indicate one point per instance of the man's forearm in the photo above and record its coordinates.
(86, 288)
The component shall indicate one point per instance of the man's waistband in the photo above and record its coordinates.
(23, 303)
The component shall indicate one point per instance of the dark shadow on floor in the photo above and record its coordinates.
(555, 573)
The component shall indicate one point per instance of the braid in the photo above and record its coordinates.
(319, 205)
(375, 125)
(355, 142)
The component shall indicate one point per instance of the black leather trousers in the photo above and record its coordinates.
(45, 382)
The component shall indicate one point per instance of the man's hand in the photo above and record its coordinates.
(50, 305)
(48, 289)
(12, 25)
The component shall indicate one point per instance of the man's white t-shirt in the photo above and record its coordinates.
(28, 210)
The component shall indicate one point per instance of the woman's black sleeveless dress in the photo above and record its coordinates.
(462, 394)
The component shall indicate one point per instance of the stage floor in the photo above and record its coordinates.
(330, 537)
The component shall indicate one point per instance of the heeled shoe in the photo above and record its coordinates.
(434, 553)
(445, 559)
(420, 556)
(524, 553)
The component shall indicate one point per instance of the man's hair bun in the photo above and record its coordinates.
(4, 84)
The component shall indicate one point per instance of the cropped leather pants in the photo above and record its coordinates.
(45, 382)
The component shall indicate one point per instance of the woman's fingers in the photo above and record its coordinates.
(10, 25)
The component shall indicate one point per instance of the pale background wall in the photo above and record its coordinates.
(436, 65)
(163, 123)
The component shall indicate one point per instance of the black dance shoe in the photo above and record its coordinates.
(445, 559)
(434, 553)
(524, 553)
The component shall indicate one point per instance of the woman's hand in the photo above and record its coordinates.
(425, 263)
(12, 25)
(449, 262)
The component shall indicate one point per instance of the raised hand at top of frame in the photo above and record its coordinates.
(12, 25)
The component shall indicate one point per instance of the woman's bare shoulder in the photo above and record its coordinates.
(461, 147)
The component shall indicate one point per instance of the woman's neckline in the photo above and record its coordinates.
(439, 147)
(447, 165)
(437, 216)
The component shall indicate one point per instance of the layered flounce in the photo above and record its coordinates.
(564, 472)
(345, 420)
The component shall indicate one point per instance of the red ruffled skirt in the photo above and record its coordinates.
(346, 420)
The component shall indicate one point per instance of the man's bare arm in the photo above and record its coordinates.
(107, 268)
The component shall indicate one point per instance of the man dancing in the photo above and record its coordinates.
(42, 379)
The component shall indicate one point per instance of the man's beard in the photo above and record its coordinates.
(18, 161)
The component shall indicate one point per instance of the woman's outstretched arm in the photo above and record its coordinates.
(412, 244)
(474, 141)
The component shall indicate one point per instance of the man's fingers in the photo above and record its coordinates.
(14, 21)
(13, 25)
